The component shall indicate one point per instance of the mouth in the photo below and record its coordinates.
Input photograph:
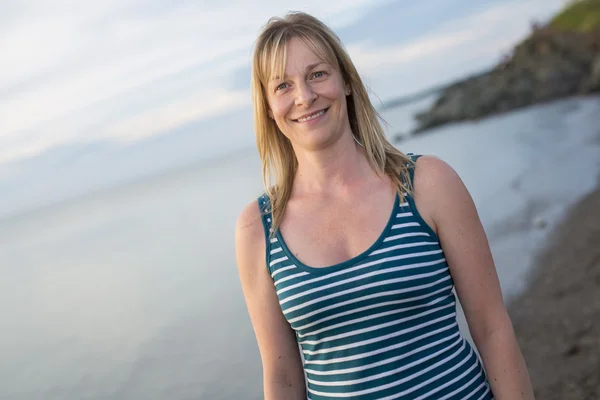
(312, 116)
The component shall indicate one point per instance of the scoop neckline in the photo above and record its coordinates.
(343, 264)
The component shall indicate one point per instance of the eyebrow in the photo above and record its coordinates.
(308, 68)
(311, 66)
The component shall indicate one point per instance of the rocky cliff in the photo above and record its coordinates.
(551, 63)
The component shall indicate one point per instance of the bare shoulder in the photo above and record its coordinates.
(249, 221)
(433, 174)
(437, 189)
(249, 236)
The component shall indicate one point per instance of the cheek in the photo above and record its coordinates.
(280, 108)
(336, 92)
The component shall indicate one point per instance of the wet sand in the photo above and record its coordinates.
(557, 319)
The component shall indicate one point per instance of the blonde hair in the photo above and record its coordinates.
(279, 162)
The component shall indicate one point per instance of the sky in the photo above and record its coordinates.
(97, 93)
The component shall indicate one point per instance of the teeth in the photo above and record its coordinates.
(311, 116)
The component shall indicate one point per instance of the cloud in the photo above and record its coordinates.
(84, 71)
(176, 114)
(370, 59)
(452, 50)
(100, 93)
(72, 62)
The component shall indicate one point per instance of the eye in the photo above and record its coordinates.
(319, 74)
(281, 86)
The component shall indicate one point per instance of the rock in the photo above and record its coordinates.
(398, 137)
(592, 84)
(540, 223)
(548, 65)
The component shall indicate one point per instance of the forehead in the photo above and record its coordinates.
(298, 53)
(295, 56)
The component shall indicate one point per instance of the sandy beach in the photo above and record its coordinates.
(557, 319)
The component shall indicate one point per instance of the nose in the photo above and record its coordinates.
(305, 95)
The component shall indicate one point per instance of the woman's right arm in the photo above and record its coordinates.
(283, 377)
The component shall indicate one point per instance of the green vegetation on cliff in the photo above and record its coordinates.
(581, 15)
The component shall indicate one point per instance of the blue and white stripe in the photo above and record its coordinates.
(382, 325)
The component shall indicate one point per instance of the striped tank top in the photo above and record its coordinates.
(381, 325)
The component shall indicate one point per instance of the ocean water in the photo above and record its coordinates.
(132, 293)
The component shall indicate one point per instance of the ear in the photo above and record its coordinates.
(347, 89)
(270, 114)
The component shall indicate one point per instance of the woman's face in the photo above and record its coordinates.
(309, 102)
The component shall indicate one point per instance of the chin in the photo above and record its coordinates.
(318, 139)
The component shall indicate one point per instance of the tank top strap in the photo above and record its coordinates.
(264, 206)
(411, 167)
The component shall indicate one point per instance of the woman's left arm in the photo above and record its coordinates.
(447, 206)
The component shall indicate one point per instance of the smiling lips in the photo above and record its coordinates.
(311, 116)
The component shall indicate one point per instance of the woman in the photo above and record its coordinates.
(349, 259)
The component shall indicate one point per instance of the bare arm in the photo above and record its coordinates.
(448, 207)
(283, 377)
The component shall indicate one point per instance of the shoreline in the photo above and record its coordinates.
(557, 317)
(559, 58)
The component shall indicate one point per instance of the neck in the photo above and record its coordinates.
(336, 169)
